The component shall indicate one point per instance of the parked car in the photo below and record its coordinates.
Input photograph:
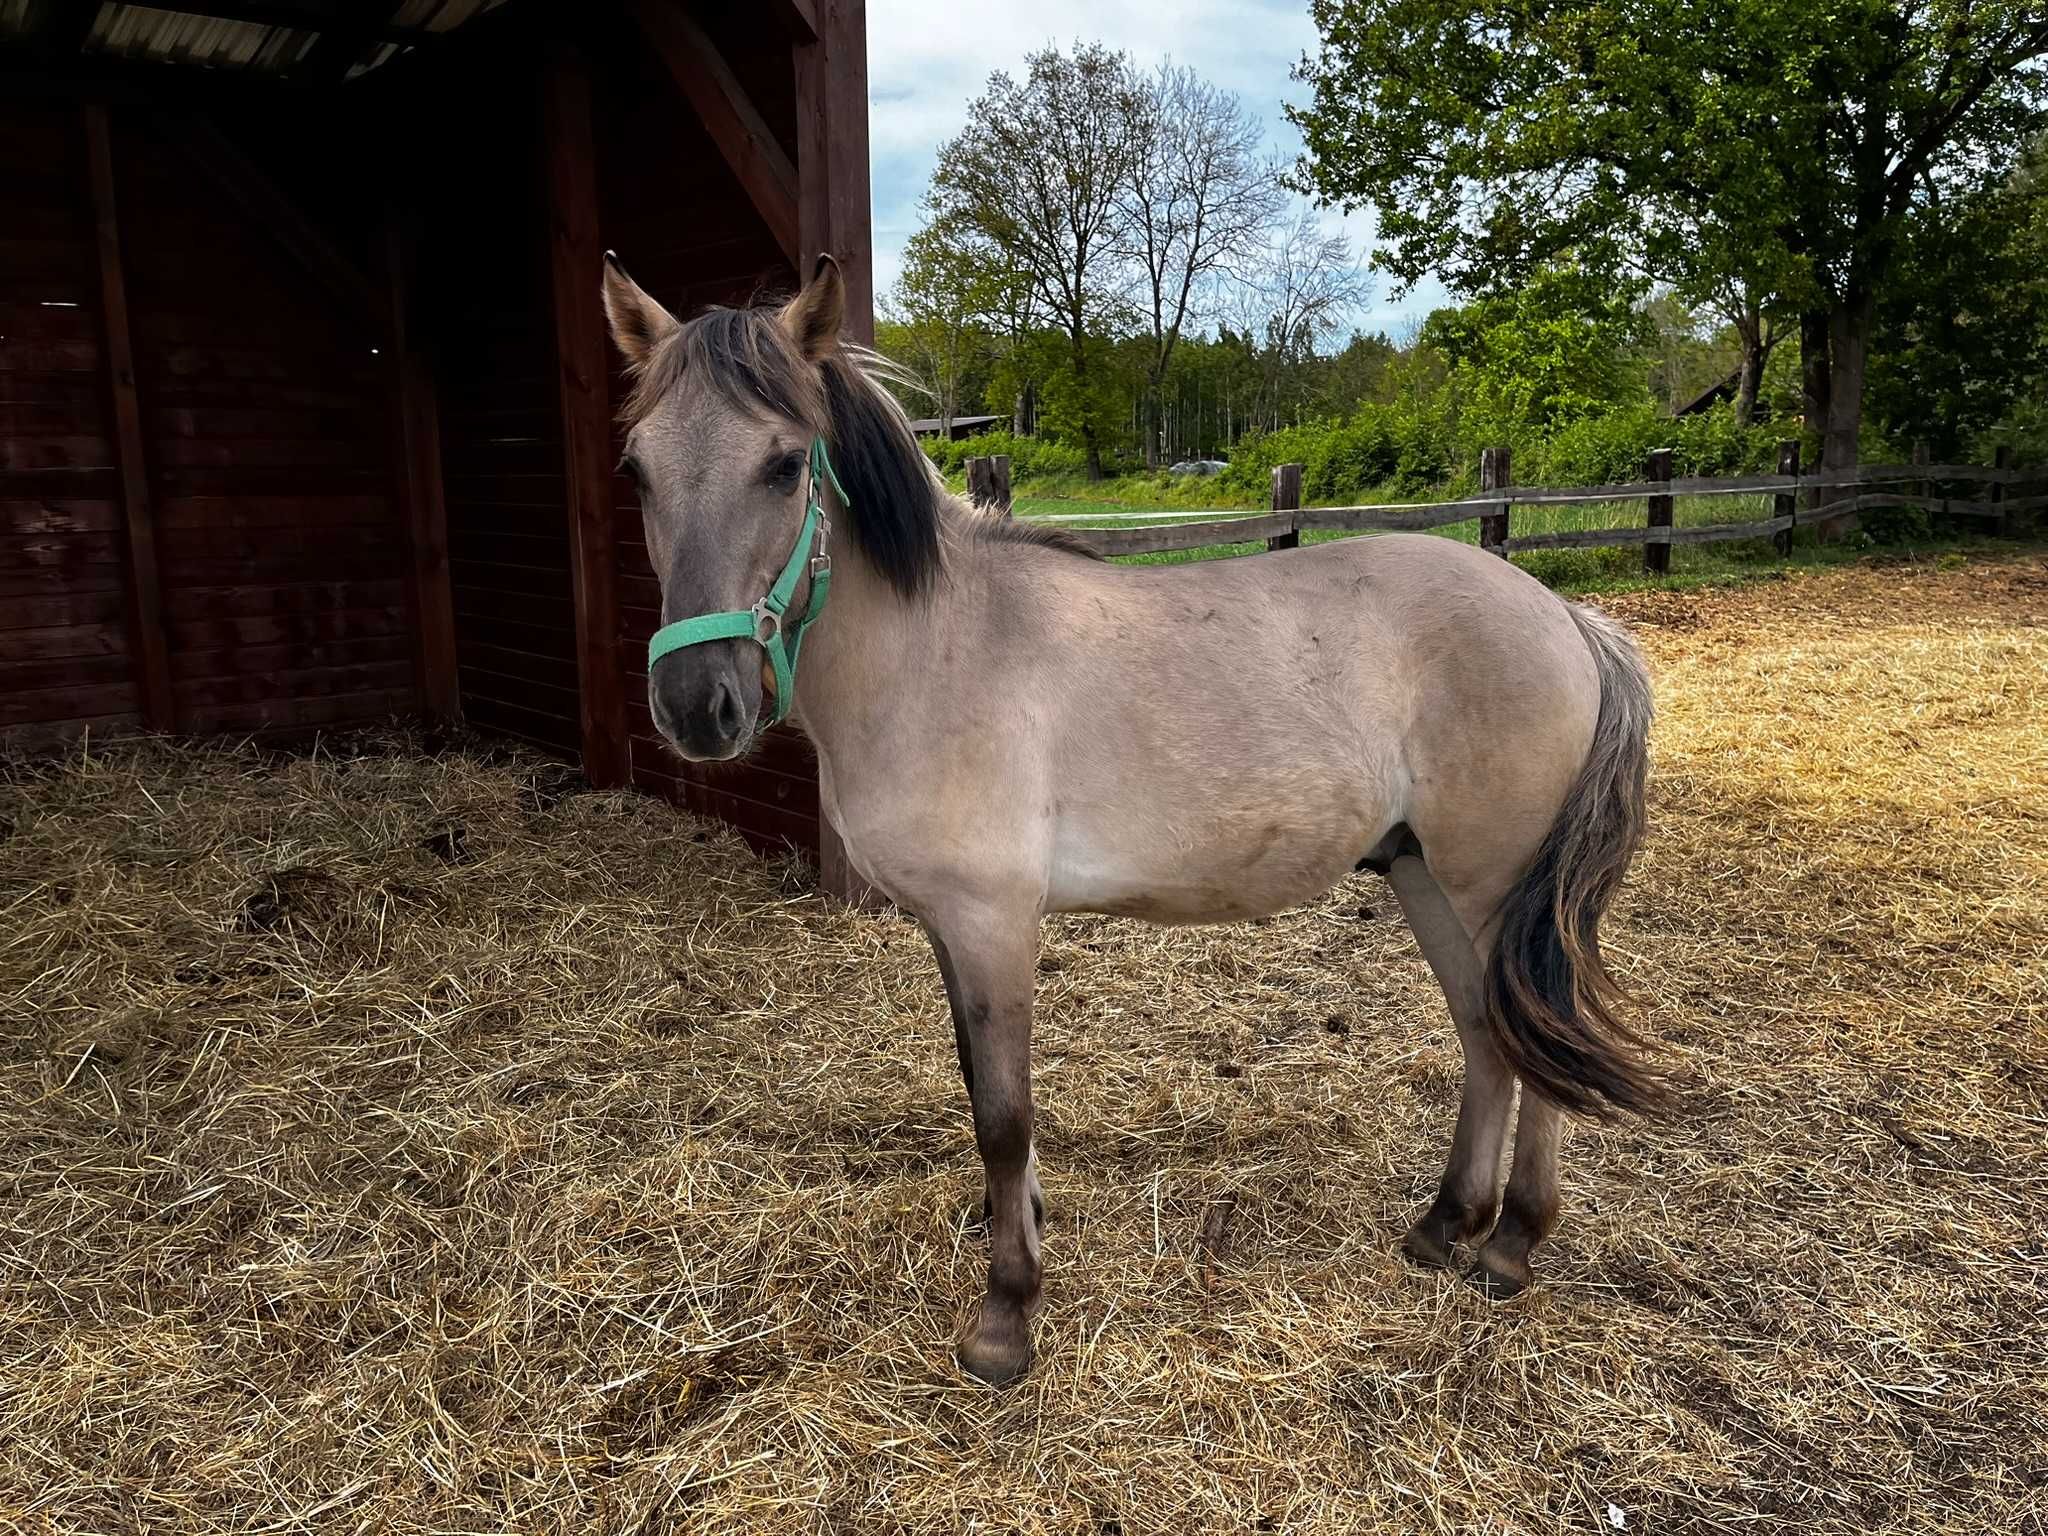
(1198, 467)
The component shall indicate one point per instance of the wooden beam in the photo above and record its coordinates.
(148, 648)
(417, 480)
(833, 214)
(745, 141)
(798, 18)
(265, 202)
(834, 210)
(576, 261)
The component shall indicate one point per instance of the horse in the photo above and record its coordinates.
(1007, 726)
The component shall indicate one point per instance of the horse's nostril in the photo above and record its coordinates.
(725, 710)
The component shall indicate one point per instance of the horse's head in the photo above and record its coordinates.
(724, 413)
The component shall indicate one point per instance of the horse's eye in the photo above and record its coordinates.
(630, 468)
(783, 471)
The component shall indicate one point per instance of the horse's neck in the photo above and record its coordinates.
(867, 648)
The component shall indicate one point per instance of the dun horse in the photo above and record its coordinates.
(1006, 727)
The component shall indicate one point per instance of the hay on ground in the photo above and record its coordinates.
(411, 1143)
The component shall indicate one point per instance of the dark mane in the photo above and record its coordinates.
(892, 491)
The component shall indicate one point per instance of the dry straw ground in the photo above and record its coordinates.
(401, 1144)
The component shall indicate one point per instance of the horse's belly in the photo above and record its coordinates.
(1234, 873)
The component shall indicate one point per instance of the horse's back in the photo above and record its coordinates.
(1233, 736)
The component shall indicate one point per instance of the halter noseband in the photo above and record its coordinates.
(763, 623)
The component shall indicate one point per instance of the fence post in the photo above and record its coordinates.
(988, 483)
(1923, 488)
(1786, 503)
(1493, 476)
(1657, 557)
(1286, 498)
(2002, 462)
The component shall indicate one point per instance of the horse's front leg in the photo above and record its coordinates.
(988, 963)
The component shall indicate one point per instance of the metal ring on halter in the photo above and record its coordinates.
(767, 623)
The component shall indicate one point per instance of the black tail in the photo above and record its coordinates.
(1549, 998)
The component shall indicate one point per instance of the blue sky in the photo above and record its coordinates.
(927, 59)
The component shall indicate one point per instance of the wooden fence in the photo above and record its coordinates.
(1797, 499)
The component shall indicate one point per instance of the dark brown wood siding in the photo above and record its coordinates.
(63, 645)
(485, 284)
(265, 444)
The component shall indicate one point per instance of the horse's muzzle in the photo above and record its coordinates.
(706, 700)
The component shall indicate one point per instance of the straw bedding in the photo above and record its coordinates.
(403, 1140)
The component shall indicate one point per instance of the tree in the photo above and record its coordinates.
(936, 306)
(1800, 136)
(1038, 176)
(1962, 335)
(1298, 292)
(1198, 199)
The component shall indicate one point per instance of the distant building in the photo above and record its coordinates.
(1721, 393)
(963, 426)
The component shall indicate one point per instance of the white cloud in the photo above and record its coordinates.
(928, 59)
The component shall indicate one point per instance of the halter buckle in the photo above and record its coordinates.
(767, 623)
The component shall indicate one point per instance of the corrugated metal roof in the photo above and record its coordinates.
(268, 39)
(173, 37)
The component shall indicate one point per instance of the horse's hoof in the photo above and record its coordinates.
(1498, 1278)
(1425, 1247)
(995, 1352)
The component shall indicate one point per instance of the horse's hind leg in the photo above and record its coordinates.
(1470, 1192)
(1529, 1210)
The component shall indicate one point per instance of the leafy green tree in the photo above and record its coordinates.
(934, 317)
(1783, 143)
(1962, 333)
(1562, 347)
(1037, 178)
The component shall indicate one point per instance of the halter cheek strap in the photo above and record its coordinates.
(765, 621)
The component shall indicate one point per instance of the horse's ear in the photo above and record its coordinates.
(639, 325)
(812, 318)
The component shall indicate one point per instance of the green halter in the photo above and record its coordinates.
(764, 621)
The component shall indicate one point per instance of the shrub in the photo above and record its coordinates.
(1031, 458)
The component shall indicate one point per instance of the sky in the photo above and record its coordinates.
(927, 59)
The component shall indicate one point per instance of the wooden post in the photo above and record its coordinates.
(417, 484)
(1922, 488)
(833, 214)
(1657, 557)
(576, 264)
(988, 483)
(1286, 498)
(1786, 503)
(832, 198)
(1494, 469)
(2001, 461)
(149, 648)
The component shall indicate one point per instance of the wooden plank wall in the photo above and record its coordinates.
(63, 644)
(686, 231)
(265, 444)
(485, 284)
(266, 416)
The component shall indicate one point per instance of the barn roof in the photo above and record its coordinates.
(298, 40)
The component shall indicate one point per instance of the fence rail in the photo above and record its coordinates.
(1798, 500)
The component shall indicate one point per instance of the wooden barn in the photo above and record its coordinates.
(306, 401)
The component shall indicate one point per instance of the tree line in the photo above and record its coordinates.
(1842, 203)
